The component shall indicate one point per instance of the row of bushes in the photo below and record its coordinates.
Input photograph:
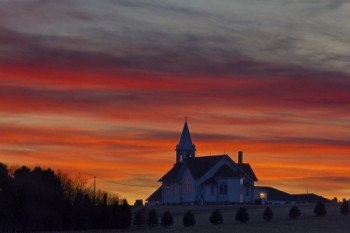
(320, 209)
(216, 217)
(152, 219)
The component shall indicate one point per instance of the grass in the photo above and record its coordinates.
(334, 222)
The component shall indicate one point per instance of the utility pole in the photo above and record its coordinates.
(94, 190)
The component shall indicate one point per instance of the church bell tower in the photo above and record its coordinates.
(185, 149)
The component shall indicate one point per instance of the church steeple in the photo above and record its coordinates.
(185, 149)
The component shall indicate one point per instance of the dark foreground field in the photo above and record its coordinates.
(334, 222)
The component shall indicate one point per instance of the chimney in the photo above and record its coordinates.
(240, 157)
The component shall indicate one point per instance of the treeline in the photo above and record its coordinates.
(40, 200)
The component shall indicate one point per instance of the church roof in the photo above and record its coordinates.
(198, 166)
(172, 174)
(185, 139)
(276, 194)
(247, 169)
(156, 195)
(309, 198)
(225, 172)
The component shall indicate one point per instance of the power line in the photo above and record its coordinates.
(123, 184)
(110, 181)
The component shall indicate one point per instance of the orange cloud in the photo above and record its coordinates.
(123, 126)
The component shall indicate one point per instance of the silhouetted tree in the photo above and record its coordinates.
(4, 176)
(40, 200)
(125, 215)
(188, 219)
(294, 212)
(83, 209)
(320, 209)
(167, 219)
(216, 217)
(242, 215)
(152, 218)
(344, 208)
(7, 210)
(268, 214)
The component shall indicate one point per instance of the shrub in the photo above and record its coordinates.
(216, 217)
(268, 214)
(152, 218)
(139, 219)
(344, 208)
(167, 219)
(189, 219)
(294, 212)
(320, 209)
(242, 215)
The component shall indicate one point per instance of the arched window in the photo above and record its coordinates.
(212, 190)
(187, 185)
(223, 188)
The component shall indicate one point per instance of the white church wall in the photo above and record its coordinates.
(171, 193)
(222, 196)
(209, 193)
(235, 190)
(248, 194)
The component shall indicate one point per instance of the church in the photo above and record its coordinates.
(214, 179)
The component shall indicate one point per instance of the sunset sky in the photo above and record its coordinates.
(102, 88)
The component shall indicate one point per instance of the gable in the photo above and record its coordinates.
(199, 166)
(247, 169)
(226, 172)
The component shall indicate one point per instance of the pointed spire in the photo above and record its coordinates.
(185, 139)
(185, 149)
